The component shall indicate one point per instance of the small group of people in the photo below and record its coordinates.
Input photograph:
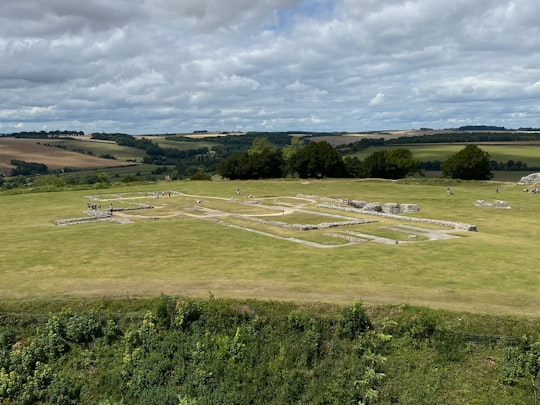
(533, 191)
(247, 196)
(93, 206)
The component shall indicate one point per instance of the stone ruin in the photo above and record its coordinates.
(387, 208)
(531, 179)
(494, 204)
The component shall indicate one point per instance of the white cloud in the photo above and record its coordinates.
(378, 99)
(326, 65)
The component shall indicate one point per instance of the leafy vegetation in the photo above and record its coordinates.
(23, 168)
(215, 351)
(471, 163)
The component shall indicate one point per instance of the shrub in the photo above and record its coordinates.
(84, 327)
(201, 176)
(449, 345)
(187, 312)
(164, 311)
(53, 337)
(354, 321)
(511, 368)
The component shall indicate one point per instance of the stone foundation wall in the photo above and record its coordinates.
(495, 204)
(304, 227)
(451, 224)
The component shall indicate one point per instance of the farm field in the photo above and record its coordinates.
(529, 154)
(34, 150)
(203, 238)
(98, 147)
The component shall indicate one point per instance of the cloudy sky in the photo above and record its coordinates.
(166, 66)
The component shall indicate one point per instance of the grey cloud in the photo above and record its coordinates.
(48, 19)
(168, 66)
(213, 14)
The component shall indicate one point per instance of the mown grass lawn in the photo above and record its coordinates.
(494, 270)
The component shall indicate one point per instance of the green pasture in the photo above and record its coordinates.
(529, 154)
(495, 270)
(512, 176)
(181, 145)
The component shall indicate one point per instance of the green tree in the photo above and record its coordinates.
(288, 152)
(400, 163)
(355, 167)
(391, 164)
(234, 167)
(262, 161)
(318, 159)
(375, 165)
(470, 163)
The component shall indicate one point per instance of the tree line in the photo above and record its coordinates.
(44, 134)
(320, 159)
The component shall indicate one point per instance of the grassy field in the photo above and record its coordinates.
(529, 154)
(494, 270)
(180, 145)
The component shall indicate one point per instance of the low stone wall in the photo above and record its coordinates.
(96, 215)
(451, 224)
(73, 221)
(304, 227)
(388, 208)
(137, 207)
(348, 238)
(494, 204)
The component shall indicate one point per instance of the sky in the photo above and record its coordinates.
(174, 66)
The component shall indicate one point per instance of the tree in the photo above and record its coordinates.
(288, 152)
(391, 164)
(400, 163)
(375, 165)
(355, 167)
(318, 159)
(470, 163)
(262, 161)
(234, 167)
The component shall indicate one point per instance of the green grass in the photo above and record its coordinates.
(182, 145)
(494, 270)
(529, 154)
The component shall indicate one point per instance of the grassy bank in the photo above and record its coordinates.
(182, 351)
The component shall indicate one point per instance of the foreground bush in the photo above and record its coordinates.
(228, 352)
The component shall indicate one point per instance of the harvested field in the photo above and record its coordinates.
(33, 150)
